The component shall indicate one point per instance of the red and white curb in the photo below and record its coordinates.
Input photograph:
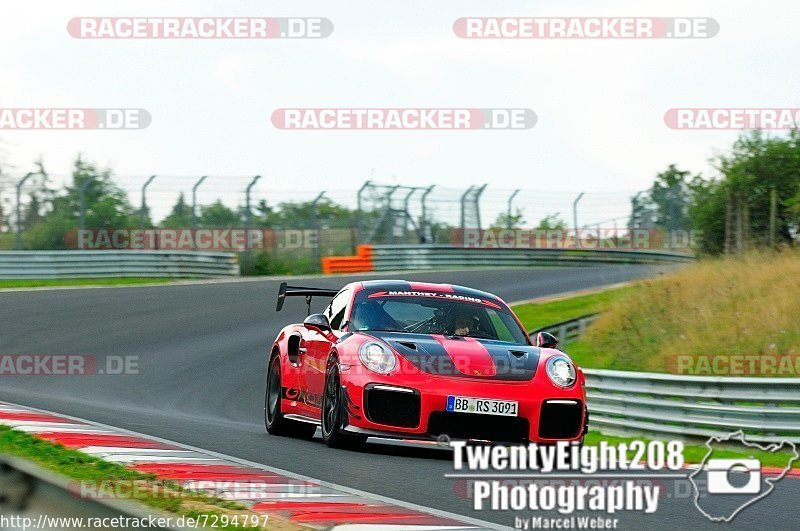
(298, 499)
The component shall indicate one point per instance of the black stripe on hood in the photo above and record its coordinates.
(511, 362)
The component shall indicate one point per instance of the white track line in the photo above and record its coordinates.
(31, 426)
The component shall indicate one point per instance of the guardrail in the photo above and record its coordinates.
(567, 331)
(413, 257)
(34, 498)
(109, 264)
(765, 409)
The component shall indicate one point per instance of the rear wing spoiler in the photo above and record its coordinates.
(298, 291)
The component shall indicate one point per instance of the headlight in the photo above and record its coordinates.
(377, 357)
(561, 371)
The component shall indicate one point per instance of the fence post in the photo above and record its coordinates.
(575, 219)
(18, 243)
(773, 216)
(464, 207)
(388, 214)
(82, 201)
(315, 226)
(510, 201)
(194, 200)
(424, 224)
(407, 216)
(360, 210)
(142, 212)
(478, 193)
(728, 222)
(248, 221)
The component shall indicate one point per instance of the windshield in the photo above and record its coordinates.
(435, 313)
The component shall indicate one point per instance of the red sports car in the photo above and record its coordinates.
(411, 360)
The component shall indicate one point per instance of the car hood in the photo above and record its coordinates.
(465, 357)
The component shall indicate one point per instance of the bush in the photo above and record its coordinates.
(271, 263)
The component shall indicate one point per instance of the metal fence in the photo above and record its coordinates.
(109, 264)
(376, 213)
(413, 257)
(397, 257)
(624, 402)
(567, 331)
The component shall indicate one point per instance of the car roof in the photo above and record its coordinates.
(407, 285)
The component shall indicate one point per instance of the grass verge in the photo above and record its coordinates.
(540, 314)
(694, 453)
(39, 283)
(103, 476)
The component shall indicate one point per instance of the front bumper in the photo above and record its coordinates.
(414, 406)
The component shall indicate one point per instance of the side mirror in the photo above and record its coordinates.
(545, 340)
(317, 321)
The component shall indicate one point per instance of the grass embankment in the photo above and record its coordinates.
(113, 479)
(694, 453)
(40, 283)
(747, 307)
(540, 314)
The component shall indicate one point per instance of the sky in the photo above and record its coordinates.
(600, 103)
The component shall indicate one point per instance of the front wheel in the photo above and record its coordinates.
(274, 420)
(332, 434)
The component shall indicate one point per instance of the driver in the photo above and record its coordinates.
(463, 324)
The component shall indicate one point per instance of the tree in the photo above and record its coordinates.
(180, 216)
(757, 165)
(504, 221)
(643, 213)
(552, 221)
(294, 215)
(707, 213)
(740, 198)
(218, 215)
(105, 206)
(39, 197)
(670, 196)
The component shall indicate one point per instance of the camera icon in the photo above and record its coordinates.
(720, 472)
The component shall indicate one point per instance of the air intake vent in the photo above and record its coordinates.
(560, 419)
(408, 345)
(399, 407)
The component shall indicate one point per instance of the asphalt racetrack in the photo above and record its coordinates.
(201, 352)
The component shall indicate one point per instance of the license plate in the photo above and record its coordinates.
(482, 406)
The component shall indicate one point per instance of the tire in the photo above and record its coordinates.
(332, 434)
(274, 420)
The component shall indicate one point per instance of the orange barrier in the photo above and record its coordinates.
(360, 263)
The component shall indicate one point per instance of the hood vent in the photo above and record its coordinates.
(408, 345)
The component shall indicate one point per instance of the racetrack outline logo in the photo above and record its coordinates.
(770, 481)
